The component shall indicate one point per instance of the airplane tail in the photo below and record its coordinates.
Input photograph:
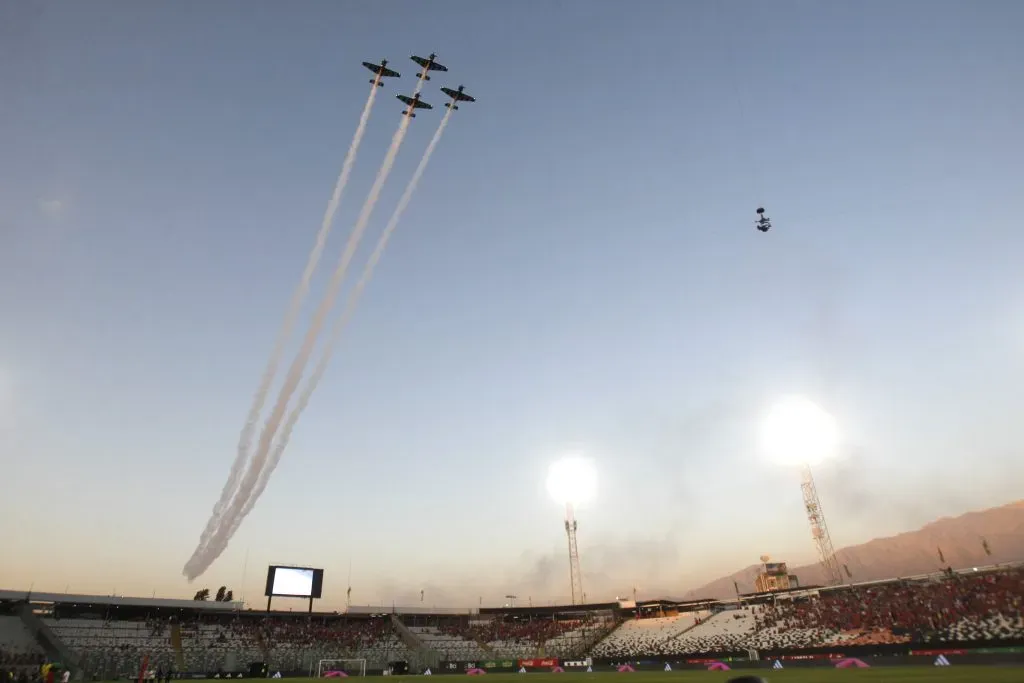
(376, 82)
(409, 114)
(424, 76)
(450, 105)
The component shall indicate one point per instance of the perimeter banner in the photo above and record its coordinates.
(538, 663)
(498, 664)
(578, 663)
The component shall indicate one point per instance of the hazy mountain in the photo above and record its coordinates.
(910, 553)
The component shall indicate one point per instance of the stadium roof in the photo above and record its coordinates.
(116, 601)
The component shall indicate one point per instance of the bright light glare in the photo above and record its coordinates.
(572, 480)
(798, 431)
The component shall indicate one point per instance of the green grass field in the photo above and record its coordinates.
(953, 674)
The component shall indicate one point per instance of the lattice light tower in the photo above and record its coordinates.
(819, 530)
(575, 574)
(799, 432)
(572, 481)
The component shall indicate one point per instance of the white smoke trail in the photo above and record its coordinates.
(342, 321)
(419, 84)
(245, 438)
(205, 554)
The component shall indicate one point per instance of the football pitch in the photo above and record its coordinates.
(895, 674)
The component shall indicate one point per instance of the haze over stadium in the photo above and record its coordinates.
(577, 273)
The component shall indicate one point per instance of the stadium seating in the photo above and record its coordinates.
(726, 631)
(972, 607)
(117, 647)
(298, 644)
(967, 607)
(521, 638)
(652, 636)
(979, 607)
(577, 639)
(450, 642)
(18, 649)
(510, 639)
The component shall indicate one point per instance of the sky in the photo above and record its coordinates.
(577, 272)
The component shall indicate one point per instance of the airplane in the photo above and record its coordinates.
(382, 71)
(457, 96)
(428, 64)
(763, 223)
(413, 102)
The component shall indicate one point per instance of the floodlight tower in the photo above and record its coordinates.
(575, 575)
(819, 530)
(572, 481)
(798, 431)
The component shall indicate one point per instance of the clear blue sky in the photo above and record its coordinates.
(579, 268)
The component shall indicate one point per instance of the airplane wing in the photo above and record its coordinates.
(414, 103)
(430, 64)
(458, 95)
(381, 70)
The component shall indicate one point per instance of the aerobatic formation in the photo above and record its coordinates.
(253, 466)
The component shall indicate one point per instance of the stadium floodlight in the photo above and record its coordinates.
(798, 431)
(572, 481)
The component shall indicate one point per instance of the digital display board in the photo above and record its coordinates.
(294, 582)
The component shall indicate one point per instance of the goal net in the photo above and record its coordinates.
(340, 668)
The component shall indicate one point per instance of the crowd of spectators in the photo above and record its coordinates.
(534, 632)
(16, 658)
(971, 607)
(116, 647)
(904, 611)
(497, 637)
(18, 649)
(272, 633)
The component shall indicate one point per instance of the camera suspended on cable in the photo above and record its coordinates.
(763, 223)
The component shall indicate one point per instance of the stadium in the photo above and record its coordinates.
(944, 626)
(583, 283)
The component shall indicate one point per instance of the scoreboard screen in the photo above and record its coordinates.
(294, 582)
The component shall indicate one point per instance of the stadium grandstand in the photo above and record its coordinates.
(110, 637)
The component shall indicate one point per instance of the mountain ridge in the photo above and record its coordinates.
(907, 553)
